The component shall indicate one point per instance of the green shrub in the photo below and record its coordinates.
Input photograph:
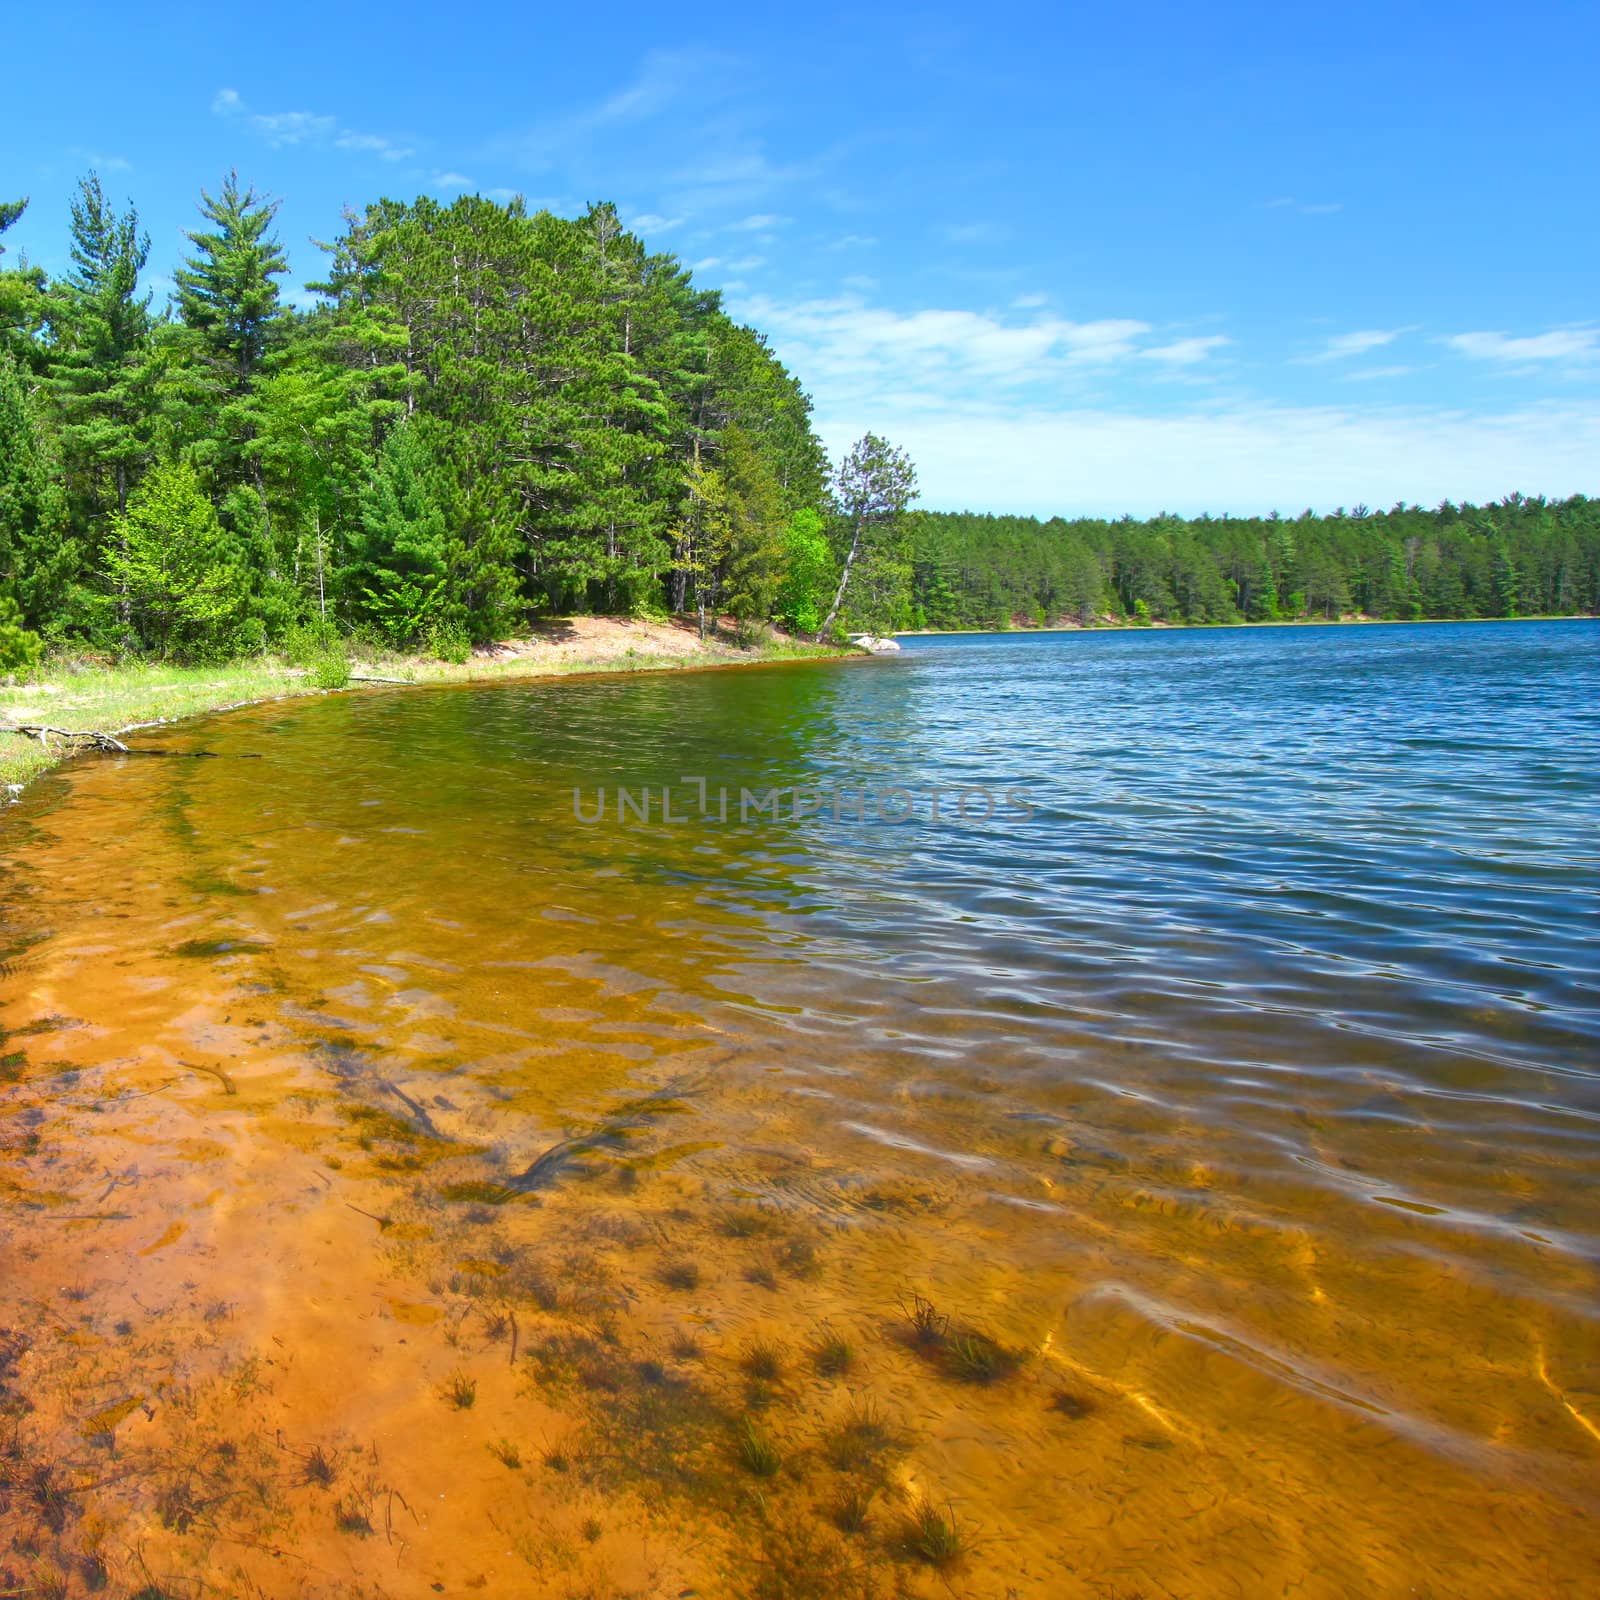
(20, 650)
(449, 642)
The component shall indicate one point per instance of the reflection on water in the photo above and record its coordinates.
(1187, 1189)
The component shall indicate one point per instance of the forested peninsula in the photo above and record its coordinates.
(1521, 557)
(485, 416)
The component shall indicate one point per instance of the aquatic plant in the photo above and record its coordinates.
(974, 1357)
(763, 1361)
(926, 1324)
(831, 1353)
(859, 1438)
(1069, 1405)
(757, 1453)
(933, 1535)
(461, 1391)
(506, 1453)
(682, 1275)
(851, 1510)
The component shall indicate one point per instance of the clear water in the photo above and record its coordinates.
(1225, 1100)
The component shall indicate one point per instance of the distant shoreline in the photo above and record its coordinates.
(1214, 627)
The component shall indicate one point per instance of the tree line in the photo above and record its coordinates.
(486, 415)
(1520, 557)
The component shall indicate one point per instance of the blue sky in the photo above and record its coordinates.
(1084, 259)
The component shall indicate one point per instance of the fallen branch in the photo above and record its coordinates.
(94, 739)
(357, 678)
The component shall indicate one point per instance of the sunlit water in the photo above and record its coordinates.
(413, 1184)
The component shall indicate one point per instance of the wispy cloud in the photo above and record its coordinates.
(1343, 346)
(286, 128)
(761, 222)
(1575, 344)
(1244, 459)
(1186, 352)
(1372, 374)
(862, 355)
(96, 162)
(664, 80)
(1304, 208)
(971, 232)
(853, 241)
(451, 180)
(653, 222)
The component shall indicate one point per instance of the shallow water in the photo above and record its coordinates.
(411, 1186)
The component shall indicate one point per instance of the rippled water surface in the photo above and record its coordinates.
(1172, 1165)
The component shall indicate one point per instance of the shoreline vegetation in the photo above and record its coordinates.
(84, 696)
(1121, 625)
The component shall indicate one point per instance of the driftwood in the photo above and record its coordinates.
(93, 739)
(357, 678)
(89, 737)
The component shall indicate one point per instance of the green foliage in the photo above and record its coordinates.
(20, 650)
(226, 290)
(872, 487)
(810, 573)
(1523, 556)
(397, 576)
(179, 570)
(37, 556)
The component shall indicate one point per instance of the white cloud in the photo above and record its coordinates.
(286, 128)
(1030, 302)
(1341, 346)
(747, 263)
(451, 180)
(708, 264)
(664, 79)
(1186, 352)
(1365, 374)
(854, 241)
(1243, 460)
(100, 163)
(652, 222)
(1560, 344)
(971, 232)
(859, 354)
(1312, 208)
(761, 222)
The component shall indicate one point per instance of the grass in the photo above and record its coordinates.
(461, 1391)
(852, 1510)
(959, 1351)
(926, 1325)
(762, 1361)
(933, 1535)
(507, 1454)
(976, 1358)
(758, 1455)
(681, 1275)
(84, 694)
(832, 1354)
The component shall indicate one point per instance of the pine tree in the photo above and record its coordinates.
(227, 291)
(180, 568)
(97, 368)
(397, 577)
(37, 557)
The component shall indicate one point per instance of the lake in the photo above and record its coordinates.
(1103, 1114)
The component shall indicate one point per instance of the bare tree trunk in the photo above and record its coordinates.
(844, 580)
